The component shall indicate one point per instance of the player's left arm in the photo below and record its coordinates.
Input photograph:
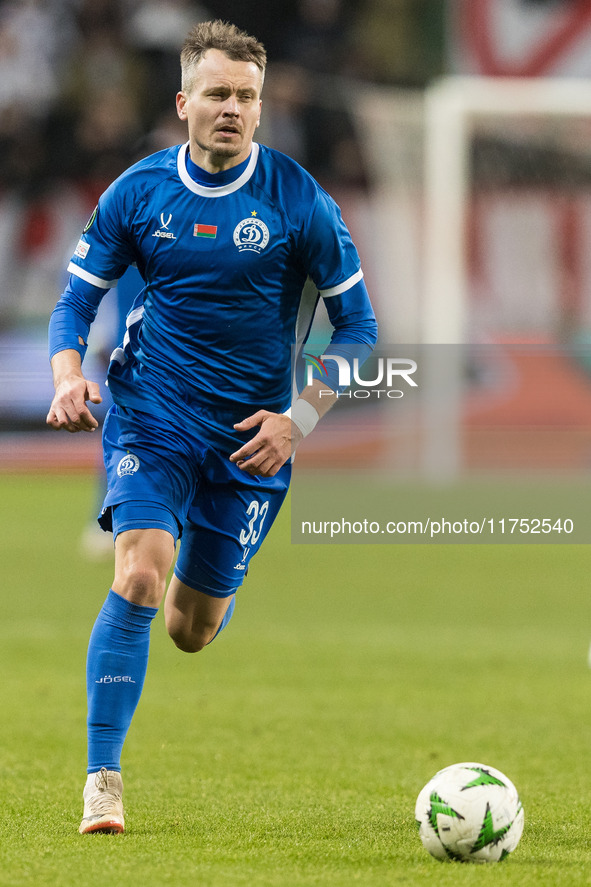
(354, 335)
(279, 434)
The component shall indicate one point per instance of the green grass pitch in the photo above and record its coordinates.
(291, 752)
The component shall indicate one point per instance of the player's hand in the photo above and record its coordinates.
(271, 447)
(68, 408)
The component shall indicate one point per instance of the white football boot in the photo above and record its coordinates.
(103, 807)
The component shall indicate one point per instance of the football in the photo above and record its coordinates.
(469, 813)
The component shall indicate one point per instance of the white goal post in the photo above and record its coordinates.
(451, 108)
(424, 185)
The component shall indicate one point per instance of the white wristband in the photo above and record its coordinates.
(303, 415)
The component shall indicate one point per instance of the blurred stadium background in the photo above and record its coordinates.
(455, 134)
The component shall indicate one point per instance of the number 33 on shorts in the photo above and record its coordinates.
(255, 514)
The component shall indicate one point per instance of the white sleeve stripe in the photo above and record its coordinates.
(90, 278)
(342, 287)
(134, 316)
(118, 355)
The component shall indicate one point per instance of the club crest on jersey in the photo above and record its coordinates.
(163, 231)
(128, 465)
(251, 234)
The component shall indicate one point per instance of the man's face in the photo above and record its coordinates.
(222, 110)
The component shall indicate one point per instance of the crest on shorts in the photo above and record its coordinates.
(128, 465)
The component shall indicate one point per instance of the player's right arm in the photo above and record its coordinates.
(72, 391)
(101, 256)
(68, 333)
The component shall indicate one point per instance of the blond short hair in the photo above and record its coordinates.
(237, 44)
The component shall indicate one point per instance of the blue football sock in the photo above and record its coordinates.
(115, 671)
(226, 619)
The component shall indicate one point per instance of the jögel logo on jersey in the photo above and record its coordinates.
(163, 230)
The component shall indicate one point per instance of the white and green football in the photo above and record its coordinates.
(469, 813)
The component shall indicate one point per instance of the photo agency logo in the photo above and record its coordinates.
(376, 377)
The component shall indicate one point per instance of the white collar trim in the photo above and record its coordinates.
(216, 190)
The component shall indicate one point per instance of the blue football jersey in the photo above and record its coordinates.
(224, 259)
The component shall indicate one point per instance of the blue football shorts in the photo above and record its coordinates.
(181, 480)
